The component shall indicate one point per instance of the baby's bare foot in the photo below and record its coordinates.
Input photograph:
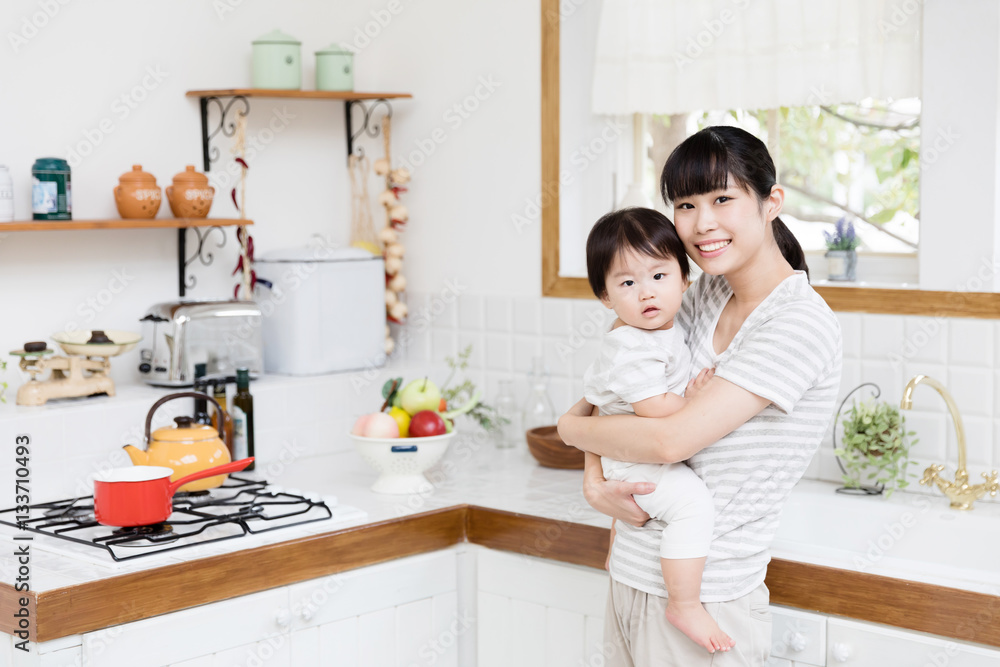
(696, 623)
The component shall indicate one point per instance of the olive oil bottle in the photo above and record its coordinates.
(243, 418)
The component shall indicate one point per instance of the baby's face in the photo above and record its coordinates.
(645, 292)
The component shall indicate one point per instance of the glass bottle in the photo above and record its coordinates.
(508, 434)
(243, 418)
(538, 409)
(219, 394)
(200, 386)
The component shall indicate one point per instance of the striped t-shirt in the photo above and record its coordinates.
(789, 352)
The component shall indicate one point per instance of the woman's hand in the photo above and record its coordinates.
(611, 497)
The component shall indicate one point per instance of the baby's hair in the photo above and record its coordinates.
(643, 230)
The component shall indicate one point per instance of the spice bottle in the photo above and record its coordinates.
(243, 445)
(200, 404)
(219, 394)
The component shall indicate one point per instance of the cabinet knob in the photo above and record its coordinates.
(798, 642)
(306, 614)
(841, 652)
(282, 618)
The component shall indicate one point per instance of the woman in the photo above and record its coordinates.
(771, 349)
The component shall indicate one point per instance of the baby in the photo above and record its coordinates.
(637, 266)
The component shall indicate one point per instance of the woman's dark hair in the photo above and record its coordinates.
(640, 229)
(706, 161)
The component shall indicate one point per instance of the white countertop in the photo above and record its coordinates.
(914, 537)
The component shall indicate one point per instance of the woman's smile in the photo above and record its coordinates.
(713, 248)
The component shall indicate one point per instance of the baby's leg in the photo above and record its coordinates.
(684, 609)
(682, 500)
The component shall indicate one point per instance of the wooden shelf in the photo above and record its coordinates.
(155, 223)
(302, 94)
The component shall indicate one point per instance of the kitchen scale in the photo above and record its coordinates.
(84, 371)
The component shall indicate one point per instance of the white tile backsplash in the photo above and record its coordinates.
(850, 331)
(925, 339)
(881, 336)
(972, 389)
(470, 312)
(298, 417)
(557, 318)
(970, 342)
(498, 314)
(527, 316)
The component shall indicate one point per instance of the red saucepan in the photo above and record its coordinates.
(140, 495)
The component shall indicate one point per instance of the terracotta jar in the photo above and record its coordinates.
(137, 194)
(190, 196)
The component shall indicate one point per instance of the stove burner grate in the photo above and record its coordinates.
(239, 507)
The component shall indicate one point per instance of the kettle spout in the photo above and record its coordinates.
(138, 456)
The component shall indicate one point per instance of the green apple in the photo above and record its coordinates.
(420, 395)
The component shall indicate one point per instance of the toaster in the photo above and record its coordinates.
(222, 334)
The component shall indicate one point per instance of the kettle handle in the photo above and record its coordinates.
(183, 394)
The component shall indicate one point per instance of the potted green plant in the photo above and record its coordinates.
(875, 445)
(841, 251)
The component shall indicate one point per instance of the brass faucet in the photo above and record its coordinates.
(961, 494)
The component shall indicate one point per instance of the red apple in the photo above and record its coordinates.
(427, 423)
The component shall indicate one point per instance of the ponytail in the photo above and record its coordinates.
(789, 246)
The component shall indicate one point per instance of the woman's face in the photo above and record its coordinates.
(725, 229)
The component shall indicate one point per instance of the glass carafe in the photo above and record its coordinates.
(538, 409)
(508, 433)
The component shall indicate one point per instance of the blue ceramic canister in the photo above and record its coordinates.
(51, 189)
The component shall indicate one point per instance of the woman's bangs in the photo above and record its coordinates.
(699, 165)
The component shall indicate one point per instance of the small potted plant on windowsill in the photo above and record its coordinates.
(841, 251)
(875, 444)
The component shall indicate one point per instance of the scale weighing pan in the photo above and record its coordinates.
(76, 342)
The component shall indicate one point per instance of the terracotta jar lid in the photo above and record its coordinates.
(137, 177)
(191, 177)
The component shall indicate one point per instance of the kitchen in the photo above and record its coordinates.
(104, 89)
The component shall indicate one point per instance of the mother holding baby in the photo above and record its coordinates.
(771, 350)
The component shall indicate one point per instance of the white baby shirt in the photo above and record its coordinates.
(636, 364)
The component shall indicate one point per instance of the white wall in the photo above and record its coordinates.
(58, 82)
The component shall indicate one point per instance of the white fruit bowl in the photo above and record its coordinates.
(401, 462)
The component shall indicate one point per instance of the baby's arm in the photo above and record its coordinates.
(664, 405)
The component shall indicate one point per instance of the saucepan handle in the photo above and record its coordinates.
(234, 466)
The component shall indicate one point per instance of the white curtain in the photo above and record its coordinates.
(675, 56)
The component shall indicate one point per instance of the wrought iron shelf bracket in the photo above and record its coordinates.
(228, 103)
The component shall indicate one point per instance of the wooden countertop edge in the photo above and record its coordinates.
(87, 607)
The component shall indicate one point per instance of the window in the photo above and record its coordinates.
(861, 161)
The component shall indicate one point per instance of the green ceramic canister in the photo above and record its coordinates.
(335, 68)
(277, 62)
(51, 189)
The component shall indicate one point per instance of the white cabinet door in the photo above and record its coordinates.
(403, 612)
(854, 644)
(537, 612)
(192, 633)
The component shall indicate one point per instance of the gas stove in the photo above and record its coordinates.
(241, 508)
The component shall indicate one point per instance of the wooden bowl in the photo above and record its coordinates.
(550, 451)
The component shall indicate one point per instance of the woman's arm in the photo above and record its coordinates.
(718, 409)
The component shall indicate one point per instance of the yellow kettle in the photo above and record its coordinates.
(186, 447)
